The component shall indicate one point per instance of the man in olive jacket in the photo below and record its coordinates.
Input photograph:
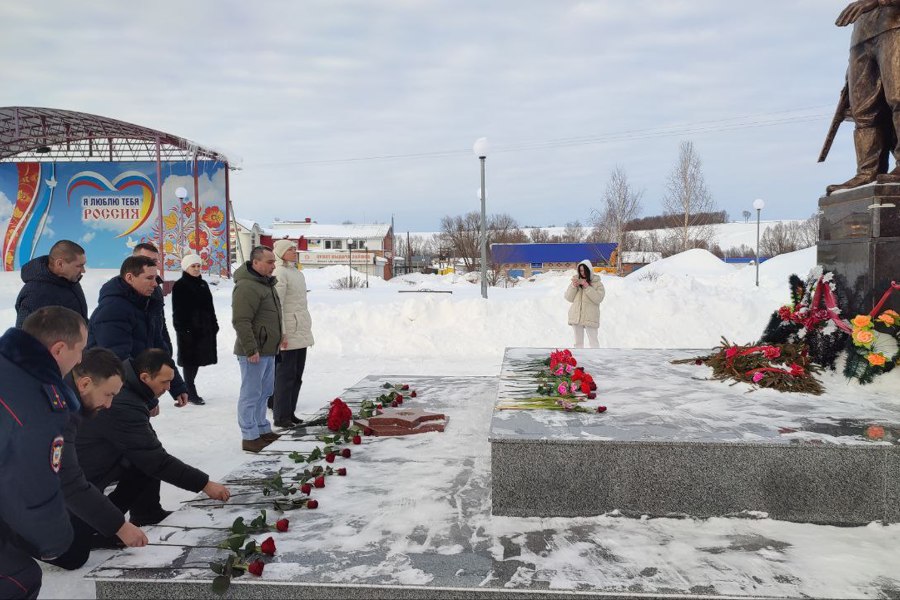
(256, 317)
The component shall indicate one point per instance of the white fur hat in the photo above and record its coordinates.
(282, 246)
(190, 259)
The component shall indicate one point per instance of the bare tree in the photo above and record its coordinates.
(781, 238)
(621, 204)
(539, 236)
(746, 214)
(808, 232)
(463, 234)
(573, 233)
(688, 199)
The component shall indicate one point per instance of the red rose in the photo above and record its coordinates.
(329, 458)
(399, 400)
(404, 387)
(312, 504)
(368, 431)
(256, 567)
(593, 386)
(357, 440)
(601, 409)
(585, 388)
(281, 525)
(342, 471)
(698, 362)
(393, 404)
(319, 481)
(587, 377)
(268, 546)
(306, 488)
(346, 453)
(577, 375)
(412, 394)
(591, 395)
(379, 410)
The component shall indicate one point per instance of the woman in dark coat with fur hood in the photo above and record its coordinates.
(195, 323)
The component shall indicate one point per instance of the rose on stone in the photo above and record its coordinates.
(256, 567)
(342, 471)
(268, 546)
(329, 458)
(319, 481)
(601, 409)
(339, 415)
(312, 504)
(282, 525)
(357, 439)
(346, 453)
(306, 488)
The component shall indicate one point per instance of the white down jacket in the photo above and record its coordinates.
(291, 288)
(585, 309)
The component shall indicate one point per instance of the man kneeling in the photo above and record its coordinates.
(119, 444)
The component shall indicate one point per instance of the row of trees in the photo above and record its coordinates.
(688, 221)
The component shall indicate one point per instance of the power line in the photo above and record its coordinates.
(712, 126)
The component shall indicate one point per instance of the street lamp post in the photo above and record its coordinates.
(350, 263)
(758, 204)
(480, 149)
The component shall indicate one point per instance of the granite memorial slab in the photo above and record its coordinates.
(675, 442)
(412, 519)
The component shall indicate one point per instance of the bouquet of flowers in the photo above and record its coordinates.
(783, 367)
(873, 352)
(561, 386)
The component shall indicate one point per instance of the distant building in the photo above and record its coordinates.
(370, 247)
(525, 260)
(244, 238)
(632, 261)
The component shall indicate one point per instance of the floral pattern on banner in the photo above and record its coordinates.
(181, 237)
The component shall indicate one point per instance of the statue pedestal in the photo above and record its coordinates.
(859, 240)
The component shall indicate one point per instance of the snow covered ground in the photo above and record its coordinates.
(687, 301)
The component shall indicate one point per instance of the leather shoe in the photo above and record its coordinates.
(254, 445)
(296, 420)
(149, 519)
(284, 424)
(269, 437)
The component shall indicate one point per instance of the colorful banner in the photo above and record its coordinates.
(108, 208)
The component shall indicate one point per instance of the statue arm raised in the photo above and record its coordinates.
(857, 9)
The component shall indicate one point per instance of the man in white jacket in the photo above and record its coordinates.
(291, 288)
(585, 293)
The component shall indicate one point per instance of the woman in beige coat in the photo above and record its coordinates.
(585, 293)
(291, 288)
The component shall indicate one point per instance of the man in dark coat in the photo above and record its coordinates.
(119, 444)
(159, 305)
(34, 407)
(128, 317)
(53, 280)
(96, 521)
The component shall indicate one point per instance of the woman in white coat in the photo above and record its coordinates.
(291, 287)
(585, 293)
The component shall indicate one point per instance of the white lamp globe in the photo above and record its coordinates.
(759, 204)
(481, 147)
(180, 193)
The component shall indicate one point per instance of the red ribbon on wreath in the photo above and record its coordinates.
(824, 291)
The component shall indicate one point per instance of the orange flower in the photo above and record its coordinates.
(187, 208)
(875, 432)
(876, 360)
(213, 217)
(888, 319)
(204, 240)
(863, 337)
(862, 321)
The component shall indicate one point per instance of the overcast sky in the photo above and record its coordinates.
(359, 110)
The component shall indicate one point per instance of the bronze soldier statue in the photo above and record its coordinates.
(872, 95)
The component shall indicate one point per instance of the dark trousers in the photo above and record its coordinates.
(20, 575)
(288, 379)
(190, 374)
(136, 492)
(80, 550)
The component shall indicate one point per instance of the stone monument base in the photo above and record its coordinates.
(674, 443)
(859, 241)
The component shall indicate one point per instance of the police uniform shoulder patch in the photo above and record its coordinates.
(56, 450)
(56, 397)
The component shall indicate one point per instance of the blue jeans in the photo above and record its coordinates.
(257, 384)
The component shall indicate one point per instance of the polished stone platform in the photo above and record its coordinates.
(412, 519)
(674, 443)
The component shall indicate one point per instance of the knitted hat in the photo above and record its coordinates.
(282, 246)
(190, 259)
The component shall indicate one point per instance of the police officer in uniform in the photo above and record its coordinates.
(34, 408)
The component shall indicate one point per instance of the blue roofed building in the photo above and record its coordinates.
(525, 260)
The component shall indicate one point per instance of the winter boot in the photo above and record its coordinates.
(869, 146)
(193, 396)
